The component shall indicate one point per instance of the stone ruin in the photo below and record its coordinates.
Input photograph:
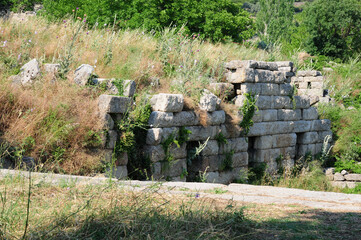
(286, 126)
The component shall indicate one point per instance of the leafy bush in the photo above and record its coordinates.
(18, 5)
(217, 20)
(334, 27)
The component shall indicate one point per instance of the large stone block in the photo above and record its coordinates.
(279, 77)
(303, 149)
(289, 114)
(262, 65)
(284, 64)
(323, 134)
(338, 177)
(353, 177)
(308, 138)
(259, 129)
(302, 126)
(185, 118)
(51, 68)
(209, 102)
(83, 74)
(113, 104)
(167, 132)
(212, 148)
(225, 177)
(269, 115)
(311, 92)
(119, 172)
(302, 101)
(205, 163)
(215, 118)
(264, 76)
(234, 144)
(157, 154)
(154, 136)
(284, 140)
(162, 170)
(107, 121)
(241, 75)
(272, 66)
(28, 73)
(288, 153)
(285, 69)
(263, 142)
(280, 127)
(222, 89)
(318, 85)
(266, 155)
(282, 102)
(239, 159)
(109, 139)
(252, 88)
(161, 119)
(264, 102)
(286, 89)
(270, 89)
(167, 102)
(129, 87)
(310, 114)
(202, 133)
(239, 101)
(308, 73)
(230, 130)
(234, 64)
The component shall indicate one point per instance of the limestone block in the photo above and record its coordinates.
(270, 89)
(269, 115)
(338, 177)
(330, 171)
(222, 89)
(239, 159)
(289, 75)
(323, 134)
(264, 142)
(344, 172)
(174, 168)
(314, 99)
(257, 117)
(317, 85)
(209, 102)
(212, 148)
(241, 75)
(302, 101)
(272, 66)
(289, 114)
(109, 139)
(259, 129)
(310, 114)
(304, 149)
(129, 87)
(28, 73)
(308, 138)
(311, 92)
(266, 155)
(281, 102)
(284, 140)
(285, 69)
(279, 77)
(288, 153)
(225, 177)
(51, 68)
(154, 153)
(161, 119)
(206, 163)
(166, 132)
(251, 88)
(284, 64)
(106, 121)
(280, 127)
(240, 100)
(318, 148)
(215, 118)
(185, 118)
(234, 64)
(83, 74)
(154, 136)
(302, 126)
(286, 89)
(113, 104)
(264, 76)
(309, 73)
(343, 184)
(122, 159)
(230, 130)
(167, 102)
(353, 177)
(262, 65)
(265, 102)
(234, 144)
(119, 172)
(202, 133)
(321, 125)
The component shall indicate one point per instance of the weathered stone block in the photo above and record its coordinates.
(206, 163)
(338, 177)
(280, 127)
(285, 69)
(251, 88)
(284, 140)
(284, 64)
(222, 89)
(259, 129)
(241, 75)
(267, 155)
(234, 64)
(83, 74)
(234, 144)
(281, 102)
(129, 87)
(106, 121)
(154, 136)
(343, 184)
(119, 172)
(302, 126)
(264, 76)
(289, 115)
(314, 100)
(310, 114)
(185, 118)
(286, 89)
(240, 100)
(272, 66)
(161, 119)
(167, 102)
(308, 73)
(318, 85)
(288, 154)
(113, 104)
(302, 101)
(230, 130)
(269, 115)
(264, 102)
(264, 142)
(212, 148)
(225, 177)
(262, 65)
(325, 125)
(28, 73)
(323, 134)
(279, 77)
(109, 138)
(353, 177)
(154, 153)
(308, 138)
(174, 168)
(330, 171)
(304, 149)
(311, 92)
(202, 133)
(209, 102)
(51, 68)
(239, 159)
(215, 118)
(270, 89)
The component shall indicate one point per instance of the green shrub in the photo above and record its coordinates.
(217, 20)
(19, 5)
(334, 27)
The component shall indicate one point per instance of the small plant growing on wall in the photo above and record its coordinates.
(248, 110)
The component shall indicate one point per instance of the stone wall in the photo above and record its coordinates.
(343, 179)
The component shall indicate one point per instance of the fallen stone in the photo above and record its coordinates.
(167, 102)
(209, 102)
(338, 177)
(113, 104)
(83, 74)
(353, 177)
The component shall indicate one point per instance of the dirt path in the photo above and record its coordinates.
(236, 192)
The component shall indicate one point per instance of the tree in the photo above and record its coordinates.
(334, 27)
(274, 19)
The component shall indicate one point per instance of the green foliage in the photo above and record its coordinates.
(248, 110)
(19, 5)
(221, 139)
(119, 84)
(334, 27)
(227, 162)
(218, 20)
(274, 19)
(345, 163)
(183, 136)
